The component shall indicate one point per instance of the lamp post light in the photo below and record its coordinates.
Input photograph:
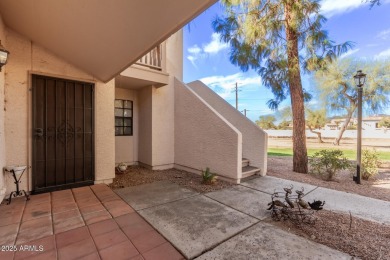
(360, 79)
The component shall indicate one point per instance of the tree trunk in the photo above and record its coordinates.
(317, 133)
(344, 127)
(296, 94)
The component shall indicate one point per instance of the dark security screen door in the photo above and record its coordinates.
(63, 133)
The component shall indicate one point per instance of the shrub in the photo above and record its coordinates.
(327, 163)
(208, 177)
(370, 163)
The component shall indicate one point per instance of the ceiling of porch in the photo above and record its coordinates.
(100, 37)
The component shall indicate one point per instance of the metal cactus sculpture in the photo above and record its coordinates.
(294, 207)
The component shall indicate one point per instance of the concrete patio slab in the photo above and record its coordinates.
(246, 200)
(264, 241)
(153, 194)
(269, 184)
(359, 206)
(196, 224)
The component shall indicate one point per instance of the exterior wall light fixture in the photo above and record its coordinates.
(3, 55)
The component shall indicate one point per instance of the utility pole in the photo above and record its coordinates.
(236, 89)
(244, 111)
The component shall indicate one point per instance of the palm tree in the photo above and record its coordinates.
(278, 39)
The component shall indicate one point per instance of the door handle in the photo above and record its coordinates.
(38, 132)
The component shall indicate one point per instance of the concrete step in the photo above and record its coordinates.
(249, 171)
(245, 162)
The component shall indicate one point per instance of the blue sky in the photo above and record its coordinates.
(207, 59)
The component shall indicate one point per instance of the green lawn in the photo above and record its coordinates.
(350, 154)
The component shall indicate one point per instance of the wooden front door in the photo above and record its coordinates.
(62, 133)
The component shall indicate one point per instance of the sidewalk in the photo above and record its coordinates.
(228, 224)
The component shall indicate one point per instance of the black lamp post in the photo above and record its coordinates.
(360, 79)
(3, 56)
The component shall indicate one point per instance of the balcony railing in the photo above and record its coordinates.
(153, 59)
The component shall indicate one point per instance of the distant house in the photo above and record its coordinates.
(368, 123)
(336, 124)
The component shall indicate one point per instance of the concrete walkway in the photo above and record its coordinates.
(227, 224)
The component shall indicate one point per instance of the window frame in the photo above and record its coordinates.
(123, 117)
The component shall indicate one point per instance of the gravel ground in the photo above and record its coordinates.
(137, 175)
(359, 238)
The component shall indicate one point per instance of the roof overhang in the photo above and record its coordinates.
(100, 37)
(136, 77)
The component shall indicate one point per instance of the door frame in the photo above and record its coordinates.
(31, 178)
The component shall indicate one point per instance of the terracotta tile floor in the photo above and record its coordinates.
(83, 223)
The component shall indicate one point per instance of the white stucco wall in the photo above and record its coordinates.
(204, 138)
(174, 55)
(126, 147)
(29, 58)
(254, 139)
(163, 134)
(145, 125)
(156, 111)
(163, 126)
(2, 119)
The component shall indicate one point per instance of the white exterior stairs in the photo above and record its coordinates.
(248, 170)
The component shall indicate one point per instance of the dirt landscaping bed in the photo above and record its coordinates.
(378, 187)
(360, 238)
(137, 175)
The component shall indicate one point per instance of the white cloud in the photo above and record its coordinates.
(195, 54)
(215, 45)
(348, 53)
(224, 85)
(192, 59)
(384, 35)
(210, 48)
(383, 55)
(332, 7)
(194, 49)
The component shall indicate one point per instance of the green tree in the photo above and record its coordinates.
(266, 122)
(385, 122)
(284, 115)
(284, 125)
(279, 39)
(338, 90)
(316, 119)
